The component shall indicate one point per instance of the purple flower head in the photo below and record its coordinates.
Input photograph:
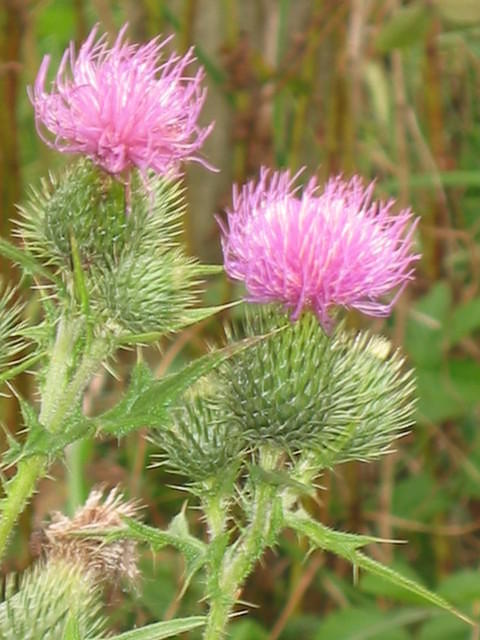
(121, 107)
(317, 250)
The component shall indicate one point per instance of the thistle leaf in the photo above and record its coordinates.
(346, 546)
(148, 401)
(177, 535)
(42, 442)
(28, 262)
(160, 630)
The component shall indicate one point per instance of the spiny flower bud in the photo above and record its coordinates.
(138, 277)
(345, 397)
(64, 585)
(80, 203)
(149, 292)
(199, 444)
(72, 540)
(50, 596)
(106, 219)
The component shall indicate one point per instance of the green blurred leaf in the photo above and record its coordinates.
(367, 624)
(462, 587)
(378, 85)
(437, 399)
(424, 339)
(160, 630)
(465, 377)
(444, 627)
(407, 26)
(418, 497)
(248, 630)
(464, 320)
(459, 12)
(459, 178)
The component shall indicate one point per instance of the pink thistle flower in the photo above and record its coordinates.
(317, 250)
(121, 107)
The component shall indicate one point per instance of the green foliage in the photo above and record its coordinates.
(407, 26)
(48, 596)
(417, 127)
(459, 12)
(364, 624)
(346, 396)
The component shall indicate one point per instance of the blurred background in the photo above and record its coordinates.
(384, 88)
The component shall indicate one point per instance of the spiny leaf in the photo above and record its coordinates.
(42, 442)
(177, 535)
(28, 262)
(147, 402)
(160, 630)
(346, 546)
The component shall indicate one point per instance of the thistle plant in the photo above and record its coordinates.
(249, 426)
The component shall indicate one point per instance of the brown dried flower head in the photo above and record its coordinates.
(76, 540)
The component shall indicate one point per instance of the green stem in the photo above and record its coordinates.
(77, 455)
(57, 376)
(59, 398)
(69, 399)
(239, 561)
(18, 491)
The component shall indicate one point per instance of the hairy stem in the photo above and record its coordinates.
(59, 398)
(18, 492)
(240, 559)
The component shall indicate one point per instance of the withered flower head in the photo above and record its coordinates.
(74, 540)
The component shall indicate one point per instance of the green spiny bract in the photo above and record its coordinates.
(106, 218)
(372, 400)
(49, 595)
(83, 203)
(149, 292)
(343, 397)
(137, 276)
(12, 329)
(198, 443)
